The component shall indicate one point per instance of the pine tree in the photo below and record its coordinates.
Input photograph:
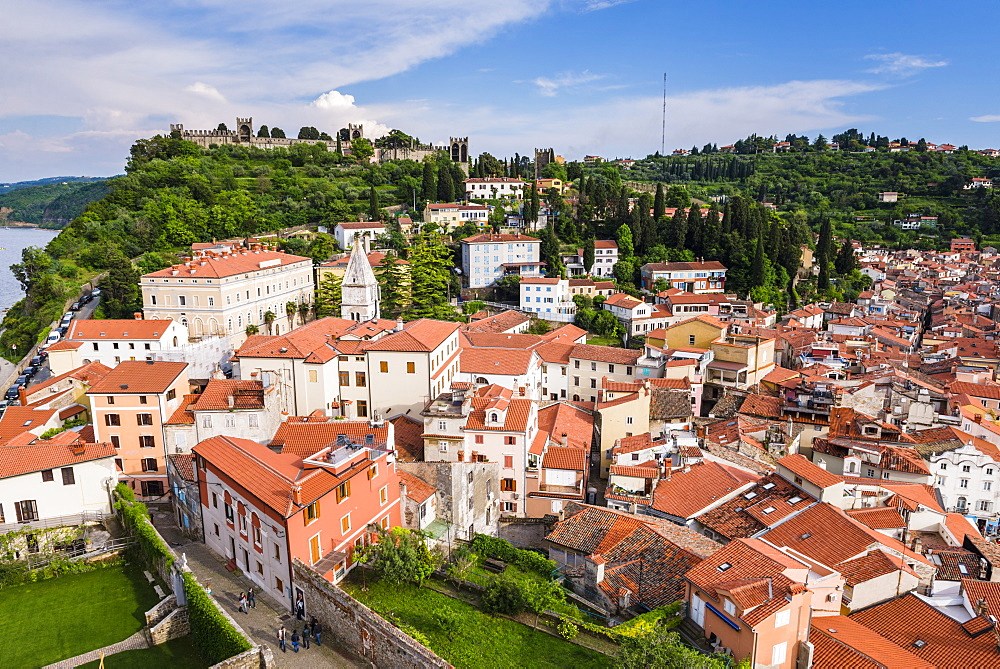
(429, 186)
(659, 202)
(394, 284)
(328, 295)
(845, 262)
(588, 255)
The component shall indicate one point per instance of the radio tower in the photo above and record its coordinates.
(663, 130)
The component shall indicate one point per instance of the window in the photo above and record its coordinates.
(119, 464)
(411, 368)
(116, 441)
(345, 378)
(256, 535)
(206, 421)
(944, 465)
(690, 340)
(508, 461)
(147, 441)
(989, 471)
(510, 441)
(576, 380)
(728, 605)
(151, 488)
(611, 369)
(593, 366)
(112, 419)
(593, 383)
(987, 485)
(27, 510)
(783, 618)
(149, 465)
(67, 475)
(144, 418)
(362, 408)
(142, 398)
(276, 552)
(383, 495)
(383, 366)
(47, 475)
(870, 473)
(343, 491)
(508, 485)
(215, 501)
(345, 524)
(778, 653)
(628, 420)
(171, 394)
(576, 364)
(964, 483)
(229, 512)
(230, 420)
(312, 512)
(313, 376)
(966, 468)
(360, 379)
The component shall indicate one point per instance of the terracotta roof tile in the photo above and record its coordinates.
(416, 488)
(871, 565)
(563, 417)
(565, 457)
(87, 374)
(182, 414)
(801, 466)
(409, 443)
(41, 455)
(878, 518)
(502, 322)
(421, 335)
(138, 377)
(743, 516)
(230, 264)
(506, 362)
(245, 394)
(305, 435)
(686, 493)
(612, 354)
(516, 418)
(842, 643)
(90, 329)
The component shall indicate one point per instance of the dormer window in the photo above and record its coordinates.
(494, 418)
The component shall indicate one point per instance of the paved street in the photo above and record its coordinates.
(44, 374)
(262, 622)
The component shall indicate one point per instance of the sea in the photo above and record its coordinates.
(12, 242)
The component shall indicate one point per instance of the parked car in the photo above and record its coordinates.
(3, 406)
(22, 380)
(38, 360)
(62, 330)
(12, 393)
(86, 298)
(53, 337)
(96, 293)
(75, 306)
(41, 351)
(68, 316)
(29, 371)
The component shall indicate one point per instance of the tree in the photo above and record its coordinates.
(222, 128)
(497, 218)
(269, 317)
(823, 254)
(263, 132)
(328, 296)
(656, 646)
(304, 309)
(400, 556)
(625, 246)
(394, 283)
(538, 327)
(588, 255)
(531, 207)
(845, 262)
(120, 293)
(758, 271)
(308, 132)
(373, 206)
(659, 202)
(362, 149)
(445, 185)
(290, 309)
(277, 133)
(321, 247)
(429, 186)
(430, 277)
(252, 329)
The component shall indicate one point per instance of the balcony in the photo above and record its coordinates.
(562, 489)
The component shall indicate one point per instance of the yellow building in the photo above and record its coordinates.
(697, 332)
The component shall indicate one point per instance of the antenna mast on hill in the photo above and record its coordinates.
(663, 131)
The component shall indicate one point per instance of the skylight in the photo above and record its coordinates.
(768, 486)
(962, 568)
(750, 495)
(724, 566)
(795, 500)
(769, 509)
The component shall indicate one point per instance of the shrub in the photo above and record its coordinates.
(214, 635)
(503, 595)
(499, 549)
(567, 629)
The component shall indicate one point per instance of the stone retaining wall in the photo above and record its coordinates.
(161, 610)
(260, 657)
(173, 626)
(358, 628)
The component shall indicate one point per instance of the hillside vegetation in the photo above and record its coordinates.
(51, 205)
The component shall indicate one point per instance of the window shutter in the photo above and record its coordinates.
(17, 509)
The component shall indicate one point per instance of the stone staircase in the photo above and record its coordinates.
(693, 635)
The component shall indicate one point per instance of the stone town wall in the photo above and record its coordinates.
(173, 626)
(161, 610)
(260, 657)
(358, 628)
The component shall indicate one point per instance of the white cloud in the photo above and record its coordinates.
(203, 89)
(597, 5)
(549, 86)
(901, 64)
(986, 118)
(333, 100)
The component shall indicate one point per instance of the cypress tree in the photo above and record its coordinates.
(588, 255)
(429, 187)
(678, 230)
(757, 270)
(373, 206)
(844, 264)
(659, 202)
(445, 185)
(693, 233)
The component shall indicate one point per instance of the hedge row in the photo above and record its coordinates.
(500, 549)
(135, 517)
(214, 635)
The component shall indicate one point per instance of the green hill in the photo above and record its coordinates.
(50, 205)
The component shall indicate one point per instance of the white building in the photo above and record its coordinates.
(360, 292)
(605, 258)
(224, 288)
(112, 341)
(45, 480)
(546, 297)
(367, 231)
(494, 188)
(968, 477)
(449, 216)
(487, 257)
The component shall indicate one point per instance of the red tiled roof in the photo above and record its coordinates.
(18, 419)
(612, 354)
(360, 225)
(565, 457)
(182, 414)
(499, 238)
(842, 643)
(245, 394)
(229, 264)
(124, 328)
(409, 442)
(747, 560)
(635, 471)
(799, 465)
(305, 435)
(41, 455)
(555, 352)
(502, 322)
(562, 417)
(506, 362)
(90, 373)
(871, 565)
(64, 345)
(416, 488)
(137, 377)
(516, 419)
(686, 493)
(878, 518)
(421, 335)
(909, 619)
(502, 340)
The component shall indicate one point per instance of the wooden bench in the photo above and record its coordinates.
(149, 577)
(159, 591)
(495, 566)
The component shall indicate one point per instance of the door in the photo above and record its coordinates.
(698, 611)
(232, 548)
(246, 560)
(314, 549)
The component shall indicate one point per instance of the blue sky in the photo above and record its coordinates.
(82, 79)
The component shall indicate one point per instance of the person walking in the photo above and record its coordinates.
(300, 607)
(295, 640)
(281, 639)
(316, 630)
(243, 603)
(251, 598)
(306, 633)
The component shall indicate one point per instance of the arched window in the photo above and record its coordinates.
(494, 418)
(853, 467)
(961, 504)
(482, 379)
(175, 342)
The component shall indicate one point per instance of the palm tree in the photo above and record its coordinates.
(252, 329)
(290, 309)
(268, 320)
(304, 309)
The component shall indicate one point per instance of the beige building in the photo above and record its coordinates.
(130, 405)
(626, 415)
(741, 361)
(223, 288)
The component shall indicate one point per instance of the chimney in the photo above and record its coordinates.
(22, 395)
(297, 495)
(565, 439)
(231, 401)
(78, 448)
(137, 315)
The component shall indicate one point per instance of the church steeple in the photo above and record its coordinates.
(360, 294)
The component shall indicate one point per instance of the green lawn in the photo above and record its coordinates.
(598, 340)
(479, 640)
(63, 617)
(177, 654)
